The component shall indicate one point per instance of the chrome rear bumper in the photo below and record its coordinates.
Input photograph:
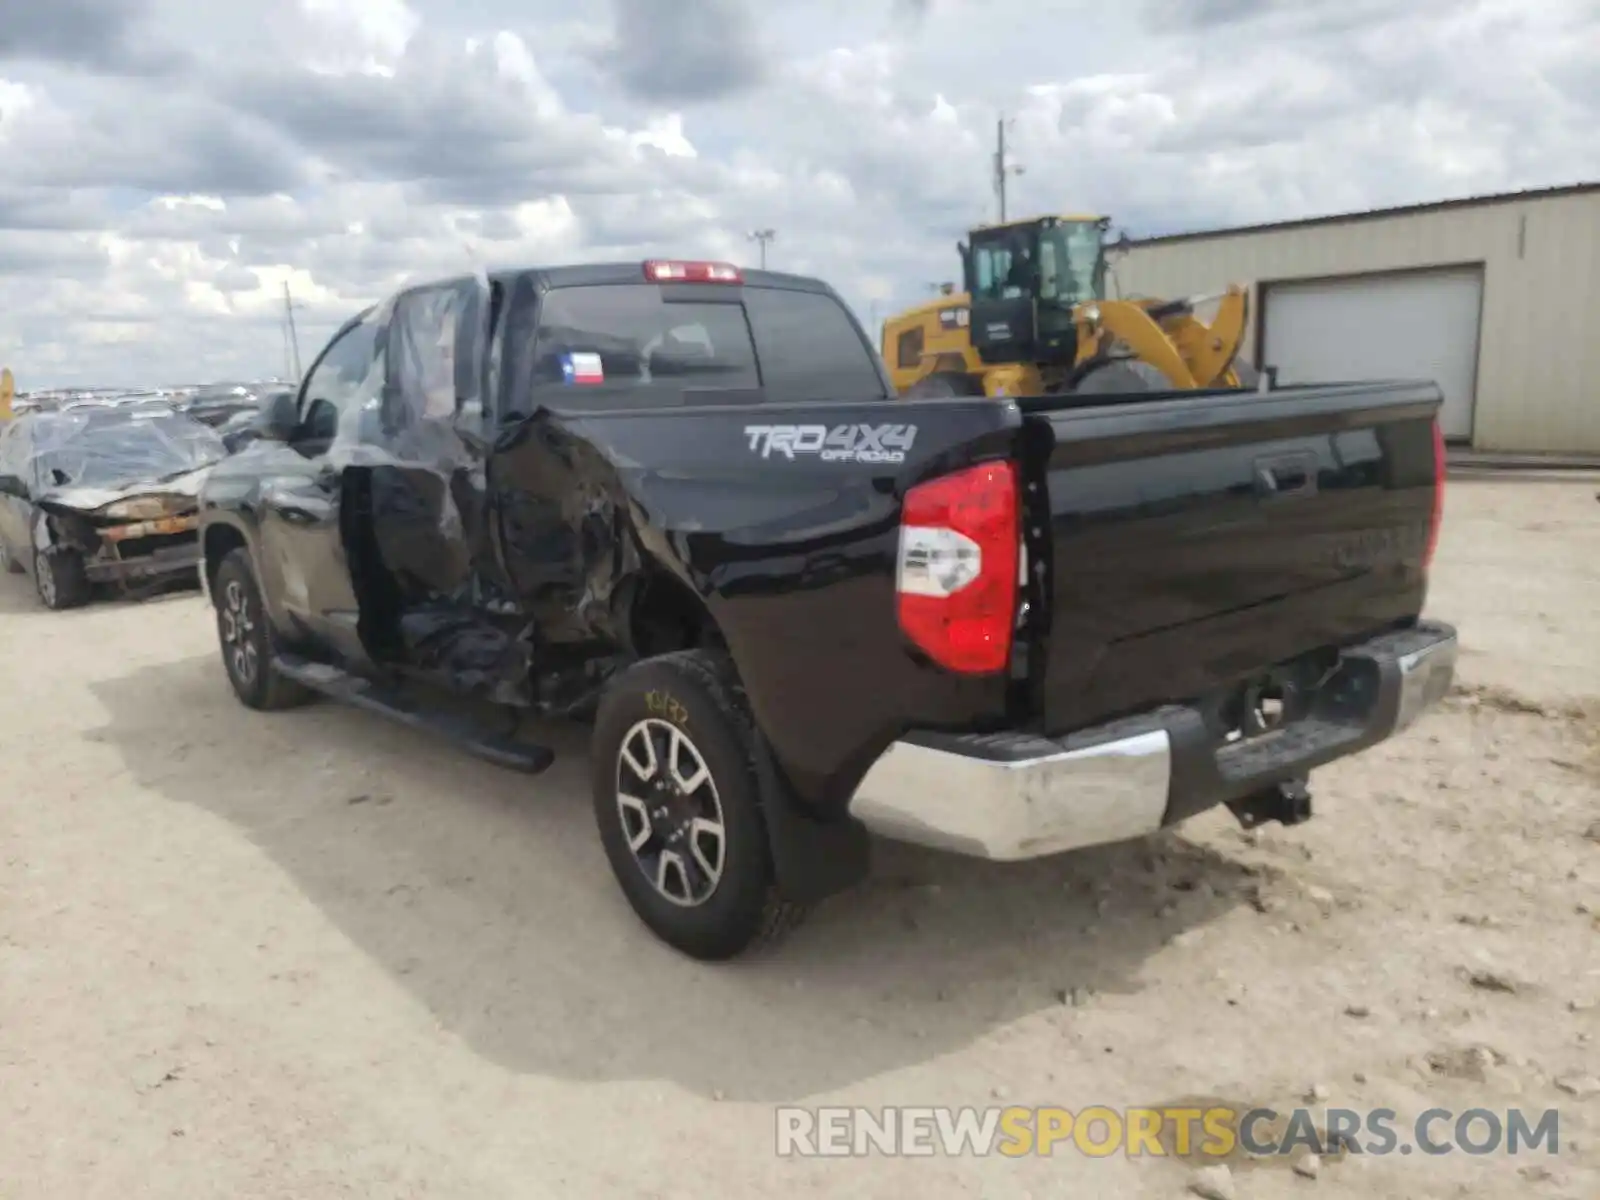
(1015, 796)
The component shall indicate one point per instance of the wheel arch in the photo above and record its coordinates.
(658, 613)
(219, 540)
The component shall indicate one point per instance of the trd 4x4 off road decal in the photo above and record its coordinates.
(840, 443)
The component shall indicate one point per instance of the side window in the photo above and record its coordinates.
(1050, 272)
(909, 348)
(810, 349)
(337, 381)
(430, 340)
(993, 263)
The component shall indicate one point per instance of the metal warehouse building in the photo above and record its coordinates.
(1496, 298)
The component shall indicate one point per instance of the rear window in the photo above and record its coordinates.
(626, 345)
(810, 349)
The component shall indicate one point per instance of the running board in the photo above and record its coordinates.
(339, 684)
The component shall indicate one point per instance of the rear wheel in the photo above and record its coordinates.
(1123, 375)
(245, 638)
(945, 383)
(677, 802)
(60, 579)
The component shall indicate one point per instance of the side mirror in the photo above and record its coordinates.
(279, 418)
(11, 485)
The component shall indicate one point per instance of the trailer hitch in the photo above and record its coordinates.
(1288, 803)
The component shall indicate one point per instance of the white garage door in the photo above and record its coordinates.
(1422, 325)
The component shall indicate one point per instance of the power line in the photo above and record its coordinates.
(763, 236)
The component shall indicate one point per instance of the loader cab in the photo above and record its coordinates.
(1025, 279)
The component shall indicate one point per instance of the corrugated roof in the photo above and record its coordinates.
(1572, 189)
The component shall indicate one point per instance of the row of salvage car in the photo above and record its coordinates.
(103, 491)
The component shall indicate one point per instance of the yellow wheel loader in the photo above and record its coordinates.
(1034, 319)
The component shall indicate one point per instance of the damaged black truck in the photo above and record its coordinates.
(683, 499)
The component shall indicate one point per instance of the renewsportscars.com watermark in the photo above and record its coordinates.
(1167, 1131)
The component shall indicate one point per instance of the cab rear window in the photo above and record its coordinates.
(810, 349)
(625, 343)
(616, 345)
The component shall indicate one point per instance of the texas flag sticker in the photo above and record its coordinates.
(582, 367)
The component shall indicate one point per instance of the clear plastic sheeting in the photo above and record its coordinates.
(413, 430)
(420, 398)
(79, 456)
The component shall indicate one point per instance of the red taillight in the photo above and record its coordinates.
(664, 271)
(957, 571)
(1437, 519)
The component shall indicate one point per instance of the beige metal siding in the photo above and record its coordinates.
(1539, 355)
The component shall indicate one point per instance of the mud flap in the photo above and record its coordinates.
(811, 859)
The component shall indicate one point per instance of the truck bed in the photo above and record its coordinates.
(1176, 545)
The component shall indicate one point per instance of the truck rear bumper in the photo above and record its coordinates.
(1013, 796)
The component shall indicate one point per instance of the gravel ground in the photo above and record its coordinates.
(312, 954)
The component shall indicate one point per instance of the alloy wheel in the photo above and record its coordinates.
(238, 634)
(671, 813)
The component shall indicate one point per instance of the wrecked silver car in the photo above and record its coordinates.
(92, 496)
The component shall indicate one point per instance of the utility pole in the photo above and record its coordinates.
(294, 339)
(1003, 168)
(763, 236)
(288, 356)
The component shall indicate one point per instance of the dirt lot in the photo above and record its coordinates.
(313, 955)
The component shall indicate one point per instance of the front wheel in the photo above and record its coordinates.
(678, 806)
(246, 639)
(60, 579)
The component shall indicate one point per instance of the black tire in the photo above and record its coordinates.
(1122, 376)
(60, 579)
(245, 639)
(696, 694)
(945, 383)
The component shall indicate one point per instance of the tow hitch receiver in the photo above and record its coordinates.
(1288, 803)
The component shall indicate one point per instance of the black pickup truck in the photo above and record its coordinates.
(683, 500)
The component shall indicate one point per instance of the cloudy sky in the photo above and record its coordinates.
(169, 164)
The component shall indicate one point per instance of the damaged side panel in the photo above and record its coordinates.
(789, 563)
(563, 520)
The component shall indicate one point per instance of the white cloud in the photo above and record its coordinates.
(172, 163)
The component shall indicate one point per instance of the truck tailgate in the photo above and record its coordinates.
(1191, 544)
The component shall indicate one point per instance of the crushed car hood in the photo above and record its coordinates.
(88, 499)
